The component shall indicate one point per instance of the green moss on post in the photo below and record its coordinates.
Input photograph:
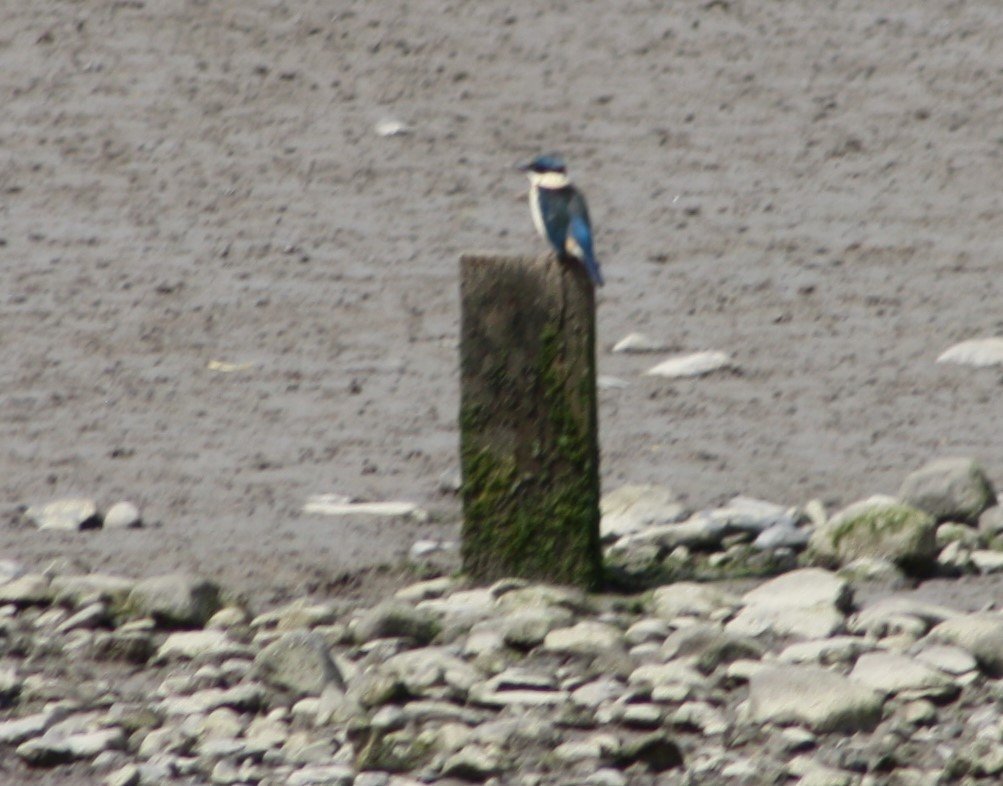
(528, 424)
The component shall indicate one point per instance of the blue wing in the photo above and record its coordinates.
(578, 242)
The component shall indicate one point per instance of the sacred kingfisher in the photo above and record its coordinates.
(560, 214)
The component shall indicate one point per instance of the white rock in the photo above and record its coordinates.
(987, 561)
(65, 514)
(201, 644)
(691, 599)
(978, 352)
(391, 127)
(805, 603)
(639, 342)
(838, 649)
(609, 382)
(691, 365)
(588, 637)
(896, 614)
(898, 674)
(325, 775)
(122, 515)
(18, 730)
(634, 507)
(948, 658)
(820, 699)
(339, 505)
(979, 634)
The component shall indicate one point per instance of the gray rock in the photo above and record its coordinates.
(394, 619)
(979, 634)
(820, 699)
(65, 514)
(177, 600)
(122, 515)
(300, 662)
(636, 507)
(949, 489)
(88, 618)
(879, 527)
(248, 697)
(782, 536)
(701, 530)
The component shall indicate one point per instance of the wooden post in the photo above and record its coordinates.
(528, 426)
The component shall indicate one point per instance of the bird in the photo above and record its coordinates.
(560, 213)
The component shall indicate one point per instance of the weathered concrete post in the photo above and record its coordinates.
(528, 426)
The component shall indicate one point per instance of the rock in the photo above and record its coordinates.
(88, 588)
(692, 365)
(838, 649)
(300, 662)
(426, 671)
(987, 561)
(30, 589)
(201, 645)
(893, 615)
(954, 489)
(526, 629)
(635, 507)
(122, 515)
(806, 603)
(397, 620)
(991, 521)
(129, 775)
(177, 600)
(46, 751)
(879, 527)
(585, 638)
(65, 514)
(979, 634)
(820, 699)
(15, 731)
(322, 775)
(977, 352)
(638, 342)
(947, 658)
(691, 599)
(903, 676)
(474, 763)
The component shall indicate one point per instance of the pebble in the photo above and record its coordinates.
(695, 364)
(978, 352)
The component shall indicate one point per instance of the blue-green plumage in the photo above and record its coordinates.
(560, 213)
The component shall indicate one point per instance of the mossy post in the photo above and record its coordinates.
(528, 425)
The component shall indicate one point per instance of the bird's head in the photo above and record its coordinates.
(547, 171)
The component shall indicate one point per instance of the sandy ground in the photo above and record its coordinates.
(813, 188)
